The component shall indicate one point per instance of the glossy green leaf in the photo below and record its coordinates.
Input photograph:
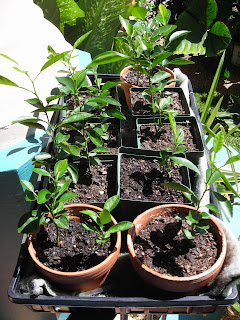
(225, 206)
(58, 207)
(179, 187)
(212, 207)
(35, 102)
(54, 59)
(43, 196)
(105, 217)
(105, 100)
(107, 57)
(60, 137)
(139, 12)
(63, 187)
(180, 61)
(159, 76)
(92, 214)
(233, 159)
(27, 185)
(28, 222)
(66, 81)
(94, 137)
(51, 98)
(30, 196)
(100, 150)
(62, 221)
(7, 82)
(81, 39)
(215, 175)
(164, 15)
(120, 226)
(189, 234)
(111, 203)
(116, 114)
(60, 168)
(43, 156)
(160, 57)
(236, 306)
(186, 163)
(218, 142)
(7, 57)
(89, 228)
(42, 172)
(67, 196)
(81, 116)
(73, 171)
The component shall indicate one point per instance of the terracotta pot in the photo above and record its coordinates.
(126, 86)
(80, 280)
(174, 283)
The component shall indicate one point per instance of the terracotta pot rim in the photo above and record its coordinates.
(127, 68)
(199, 276)
(92, 270)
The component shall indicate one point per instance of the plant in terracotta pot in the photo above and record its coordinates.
(72, 245)
(149, 44)
(182, 248)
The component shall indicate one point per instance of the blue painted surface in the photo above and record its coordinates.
(84, 58)
(18, 157)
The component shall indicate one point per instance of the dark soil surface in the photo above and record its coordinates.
(77, 251)
(162, 246)
(141, 106)
(84, 96)
(150, 139)
(137, 78)
(114, 140)
(141, 179)
(97, 186)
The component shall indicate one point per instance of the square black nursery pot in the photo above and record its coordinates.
(143, 186)
(148, 123)
(141, 107)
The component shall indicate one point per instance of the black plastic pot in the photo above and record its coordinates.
(147, 110)
(197, 139)
(134, 207)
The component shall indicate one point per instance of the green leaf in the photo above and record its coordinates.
(116, 114)
(179, 187)
(236, 306)
(92, 214)
(60, 168)
(89, 228)
(104, 100)
(43, 196)
(233, 159)
(100, 150)
(27, 185)
(32, 124)
(66, 81)
(218, 142)
(110, 84)
(212, 176)
(186, 163)
(73, 171)
(189, 234)
(159, 76)
(28, 222)
(7, 82)
(81, 39)
(139, 12)
(164, 15)
(94, 137)
(42, 156)
(180, 61)
(7, 57)
(51, 98)
(225, 206)
(105, 217)
(194, 216)
(120, 226)
(214, 113)
(212, 207)
(60, 137)
(42, 172)
(81, 116)
(111, 203)
(67, 196)
(161, 56)
(54, 59)
(71, 148)
(58, 207)
(35, 102)
(107, 57)
(70, 12)
(63, 186)
(62, 221)
(219, 38)
(203, 225)
(212, 90)
(178, 34)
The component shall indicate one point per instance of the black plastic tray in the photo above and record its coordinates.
(123, 290)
